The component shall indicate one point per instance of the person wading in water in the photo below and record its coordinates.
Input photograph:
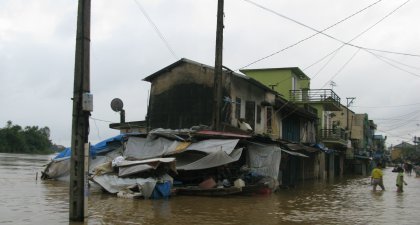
(377, 177)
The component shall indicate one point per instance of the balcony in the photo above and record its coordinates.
(337, 137)
(327, 97)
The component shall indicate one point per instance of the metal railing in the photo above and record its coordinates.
(315, 95)
(336, 135)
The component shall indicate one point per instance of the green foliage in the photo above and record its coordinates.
(14, 139)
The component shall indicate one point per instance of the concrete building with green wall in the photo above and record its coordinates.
(294, 85)
(281, 80)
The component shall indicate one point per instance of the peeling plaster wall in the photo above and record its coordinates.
(182, 97)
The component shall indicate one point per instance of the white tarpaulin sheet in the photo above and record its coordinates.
(214, 159)
(264, 159)
(214, 145)
(137, 162)
(146, 148)
(126, 167)
(113, 184)
(128, 170)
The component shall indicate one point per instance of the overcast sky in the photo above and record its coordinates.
(37, 45)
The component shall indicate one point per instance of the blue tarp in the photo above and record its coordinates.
(94, 149)
(322, 147)
(162, 190)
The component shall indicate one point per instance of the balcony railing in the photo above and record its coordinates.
(338, 136)
(325, 96)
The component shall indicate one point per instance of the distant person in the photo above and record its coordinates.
(377, 177)
(400, 179)
(409, 168)
(417, 170)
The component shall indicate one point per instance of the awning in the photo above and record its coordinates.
(295, 147)
(147, 148)
(295, 153)
(362, 157)
(131, 167)
(221, 134)
(214, 145)
(213, 159)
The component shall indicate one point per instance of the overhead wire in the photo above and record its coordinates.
(325, 65)
(101, 120)
(354, 38)
(161, 36)
(302, 40)
(406, 119)
(394, 135)
(97, 130)
(386, 106)
(392, 65)
(341, 69)
(398, 62)
(321, 32)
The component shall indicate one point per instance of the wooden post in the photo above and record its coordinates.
(218, 84)
(80, 118)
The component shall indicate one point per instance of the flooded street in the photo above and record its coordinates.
(350, 200)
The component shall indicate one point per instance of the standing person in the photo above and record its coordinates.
(377, 177)
(400, 179)
(409, 168)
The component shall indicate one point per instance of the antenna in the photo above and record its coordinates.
(332, 84)
(117, 105)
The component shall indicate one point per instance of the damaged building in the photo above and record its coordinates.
(265, 141)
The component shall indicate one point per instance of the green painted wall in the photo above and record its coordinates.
(281, 78)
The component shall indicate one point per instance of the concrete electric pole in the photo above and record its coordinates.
(218, 77)
(82, 106)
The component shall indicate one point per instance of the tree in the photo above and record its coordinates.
(14, 139)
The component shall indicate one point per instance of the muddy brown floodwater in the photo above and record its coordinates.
(349, 200)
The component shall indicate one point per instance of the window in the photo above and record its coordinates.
(269, 119)
(238, 108)
(258, 114)
(294, 82)
(250, 113)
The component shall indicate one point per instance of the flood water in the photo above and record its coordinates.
(25, 200)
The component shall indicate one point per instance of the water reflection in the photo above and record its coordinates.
(349, 200)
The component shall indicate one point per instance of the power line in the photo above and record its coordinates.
(354, 38)
(398, 62)
(397, 119)
(318, 32)
(393, 135)
(106, 121)
(407, 119)
(321, 32)
(335, 52)
(397, 67)
(345, 64)
(388, 106)
(161, 36)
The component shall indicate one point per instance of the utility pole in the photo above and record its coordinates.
(82, 106)
(218, 77)
(348, 105)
